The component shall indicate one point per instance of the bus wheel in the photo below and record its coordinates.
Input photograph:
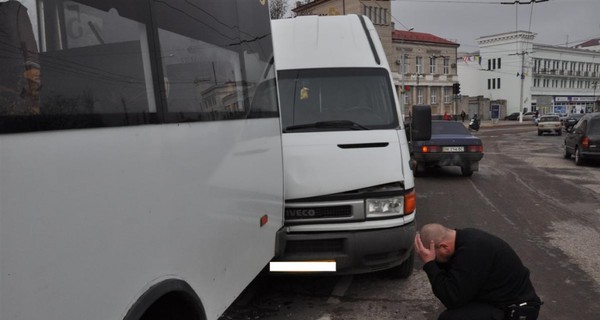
(171, 306)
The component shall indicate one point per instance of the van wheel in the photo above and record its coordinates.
(404, 270)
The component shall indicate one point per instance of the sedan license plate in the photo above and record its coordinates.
(453, 149)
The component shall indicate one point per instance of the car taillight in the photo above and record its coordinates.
(475, 148)
(585, 142)
(428, 149)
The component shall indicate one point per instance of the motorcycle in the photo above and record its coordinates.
(474, 124)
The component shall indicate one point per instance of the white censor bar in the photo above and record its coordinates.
(302, 266)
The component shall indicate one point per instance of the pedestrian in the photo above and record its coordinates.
(463, 115)
(447, 116)
(476, 275)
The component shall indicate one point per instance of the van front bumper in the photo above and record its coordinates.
(358, 251)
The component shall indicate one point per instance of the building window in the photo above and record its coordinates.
(489, 64)
(419, 64)
(446, 65)
(489, 84)
(420, 96)
(433, 95)
(377, 15)
(432, 65)
(493, 83)
(404, 64)
(447, 93)
(406, 99)
(499, 61)
(498, 81)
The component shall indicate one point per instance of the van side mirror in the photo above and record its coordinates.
(420, 127)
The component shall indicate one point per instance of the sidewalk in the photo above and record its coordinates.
(501, 123)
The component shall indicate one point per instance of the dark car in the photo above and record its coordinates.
(512, 116)
(571, 120)
(583, 140)
(451, 144)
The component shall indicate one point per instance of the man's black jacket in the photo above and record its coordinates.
(484, 268)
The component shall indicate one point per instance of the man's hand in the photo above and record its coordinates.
(426, 254)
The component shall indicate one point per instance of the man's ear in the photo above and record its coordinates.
(444, 245)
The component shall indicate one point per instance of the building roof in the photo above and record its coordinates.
(413, 36)
(589, 43)
(303, 6)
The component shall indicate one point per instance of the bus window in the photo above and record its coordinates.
(213, 60)
(95, 60)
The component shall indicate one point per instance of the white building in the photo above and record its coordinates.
(531, 76)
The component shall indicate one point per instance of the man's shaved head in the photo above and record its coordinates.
(435, 232)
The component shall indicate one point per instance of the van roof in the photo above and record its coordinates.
(326, 42)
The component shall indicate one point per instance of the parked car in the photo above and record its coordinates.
(583, 140)
(451, 144)
(571, 120)
(563, 117)
(515, 116)
(549, 123)
(512, 116)
(528, 116)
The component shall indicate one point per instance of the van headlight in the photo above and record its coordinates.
(383, 207)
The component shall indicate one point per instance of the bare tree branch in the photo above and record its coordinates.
(278, 8)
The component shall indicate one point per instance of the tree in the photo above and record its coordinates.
(278, 8)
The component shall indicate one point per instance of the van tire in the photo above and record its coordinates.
(405, 269)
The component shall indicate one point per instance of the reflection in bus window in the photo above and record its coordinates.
(99, 66)
(205, 51)
(19, 64)
(96, 60)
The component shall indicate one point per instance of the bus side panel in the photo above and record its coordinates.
(90, 218)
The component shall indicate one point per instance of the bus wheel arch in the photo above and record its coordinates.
(172, 299)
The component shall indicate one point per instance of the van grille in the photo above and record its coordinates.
(317, 212)
(314, 246)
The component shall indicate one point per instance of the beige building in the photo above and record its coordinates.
(429, 61)
(425, 66)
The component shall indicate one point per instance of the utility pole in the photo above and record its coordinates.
(522, 75)
(522, 84)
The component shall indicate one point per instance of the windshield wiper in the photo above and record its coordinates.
(346, 124)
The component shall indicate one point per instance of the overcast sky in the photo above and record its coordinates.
(463, 21)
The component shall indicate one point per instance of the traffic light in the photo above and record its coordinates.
(456, 88)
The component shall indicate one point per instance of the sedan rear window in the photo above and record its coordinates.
(549, 119)
(448, 127)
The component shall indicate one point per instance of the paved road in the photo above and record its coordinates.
(543, 205)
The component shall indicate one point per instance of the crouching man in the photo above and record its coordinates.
(476, 275)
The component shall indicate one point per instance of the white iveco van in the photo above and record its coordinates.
(349, 188)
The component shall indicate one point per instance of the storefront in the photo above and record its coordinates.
(570, 104)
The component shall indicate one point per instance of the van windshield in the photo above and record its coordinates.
(336, 99)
